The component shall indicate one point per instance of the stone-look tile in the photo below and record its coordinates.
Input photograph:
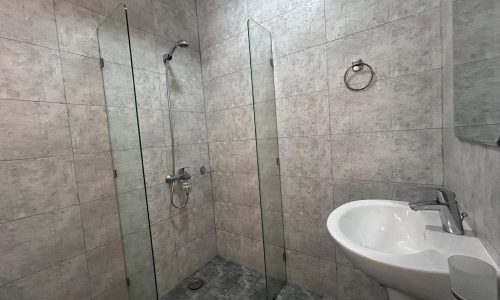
(238, 219)
(201, 194)
(142, 284)
(50, 238)
(225, 21)
(360, 190)
(236, 188)
(415, 43)
(354, 284)
(476, 87)
(307, 196)
(133, 211)
(94, 176)
(151, 127)
(118, 85)
(192, 157)
(172, 22)
(123, 128)
(37, 73)
(118, 292)
(140, 14)
(29, 21)
(236, 156)
(268, 154)
(89, 130)
(189, 128)
(196, 254)
(273, 234)
(101, 7)
(147, 89)
(270, 193)
(113, 40)
(400, 9)
(308, 234)
(128, 168)
(137, 250)
(185, 94)
(312, 273)
(231, 124)
(167, 272)
(163, 238)
(334, 19)
(76, 29)
(302, 72)
(82, 79)
(155, 165)
(67, 280)
(228, 91)
(372, 46)
(305, 156)
(293, 292)
(364, 14)
(266, 126)
(417, 101)
(33, 129)
(303, 115)
(158, 203)
(193, 224)
(229, 56)
(242, 250)
(341, 191)
(400, 156)
(298, 29)
(106, 267)
(26, 190)
(263, 80)
(474, 34)
(341, 156)
(101, 222)
(206, 6)
(143, 50)
(339, 111)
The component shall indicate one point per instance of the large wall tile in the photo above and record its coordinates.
(364, 14)
(402, 8)
(225, 21)
(30, 72)
(302, 27)
(106, 268)
(82, 79)
(67, 280)
(148, 90)
(155, 165)
(236, 188)
(128, 168)
(173, 23)
(339, 111)
(158, 203)
(242, 250)
(312, 273)
(140, 14)
(189, 128)
(303, 115)
(94, 176)
(196, 254)
(193, 224)
(167, 272)
(118, 85)
(76, 28)
(138, 254)
(231, 124)
(89, 130)
(152, 128)
(306, 156)
(123, 128)
(185, 94)
(301, 72)
(229, 56)
(206, 6)
(354, 284)
(162, 234)
(236, 156)
(143, 50)
(238, 219)
(25, 188)
(33, 129)
(29, 21)
(415, 43)
(232, 90)
(308, 196)
(133, 211)
(192, 157)
(334, 19)
(101, 222)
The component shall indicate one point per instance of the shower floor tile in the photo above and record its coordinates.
(225, 280)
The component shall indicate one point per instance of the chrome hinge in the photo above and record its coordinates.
(115, 173)
(284, 256)
(278, 161)
(101, 60)
(271, 62)
(128, 281)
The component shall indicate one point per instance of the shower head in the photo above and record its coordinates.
(180, 43)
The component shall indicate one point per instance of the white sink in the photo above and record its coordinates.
(402, 249)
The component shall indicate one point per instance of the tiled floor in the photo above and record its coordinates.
(227, 280)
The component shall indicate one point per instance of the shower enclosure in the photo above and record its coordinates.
(160, 150)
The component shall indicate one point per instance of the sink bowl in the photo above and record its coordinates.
(402, 249)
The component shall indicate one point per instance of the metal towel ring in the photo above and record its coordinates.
(358, 65)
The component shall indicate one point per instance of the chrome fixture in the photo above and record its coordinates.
(356, 66)
(447, 205)
(180, 43)
(183, 177)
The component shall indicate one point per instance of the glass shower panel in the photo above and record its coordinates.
(266, 134)
(121, 105)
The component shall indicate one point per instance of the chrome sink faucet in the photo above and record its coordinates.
(447, 205)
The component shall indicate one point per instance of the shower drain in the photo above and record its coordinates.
(195, 284)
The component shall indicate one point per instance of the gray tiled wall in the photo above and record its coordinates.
(335, 145)
(59, 220)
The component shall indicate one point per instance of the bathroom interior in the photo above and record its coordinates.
(249, 149)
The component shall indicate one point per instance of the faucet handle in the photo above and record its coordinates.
(443, 196)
